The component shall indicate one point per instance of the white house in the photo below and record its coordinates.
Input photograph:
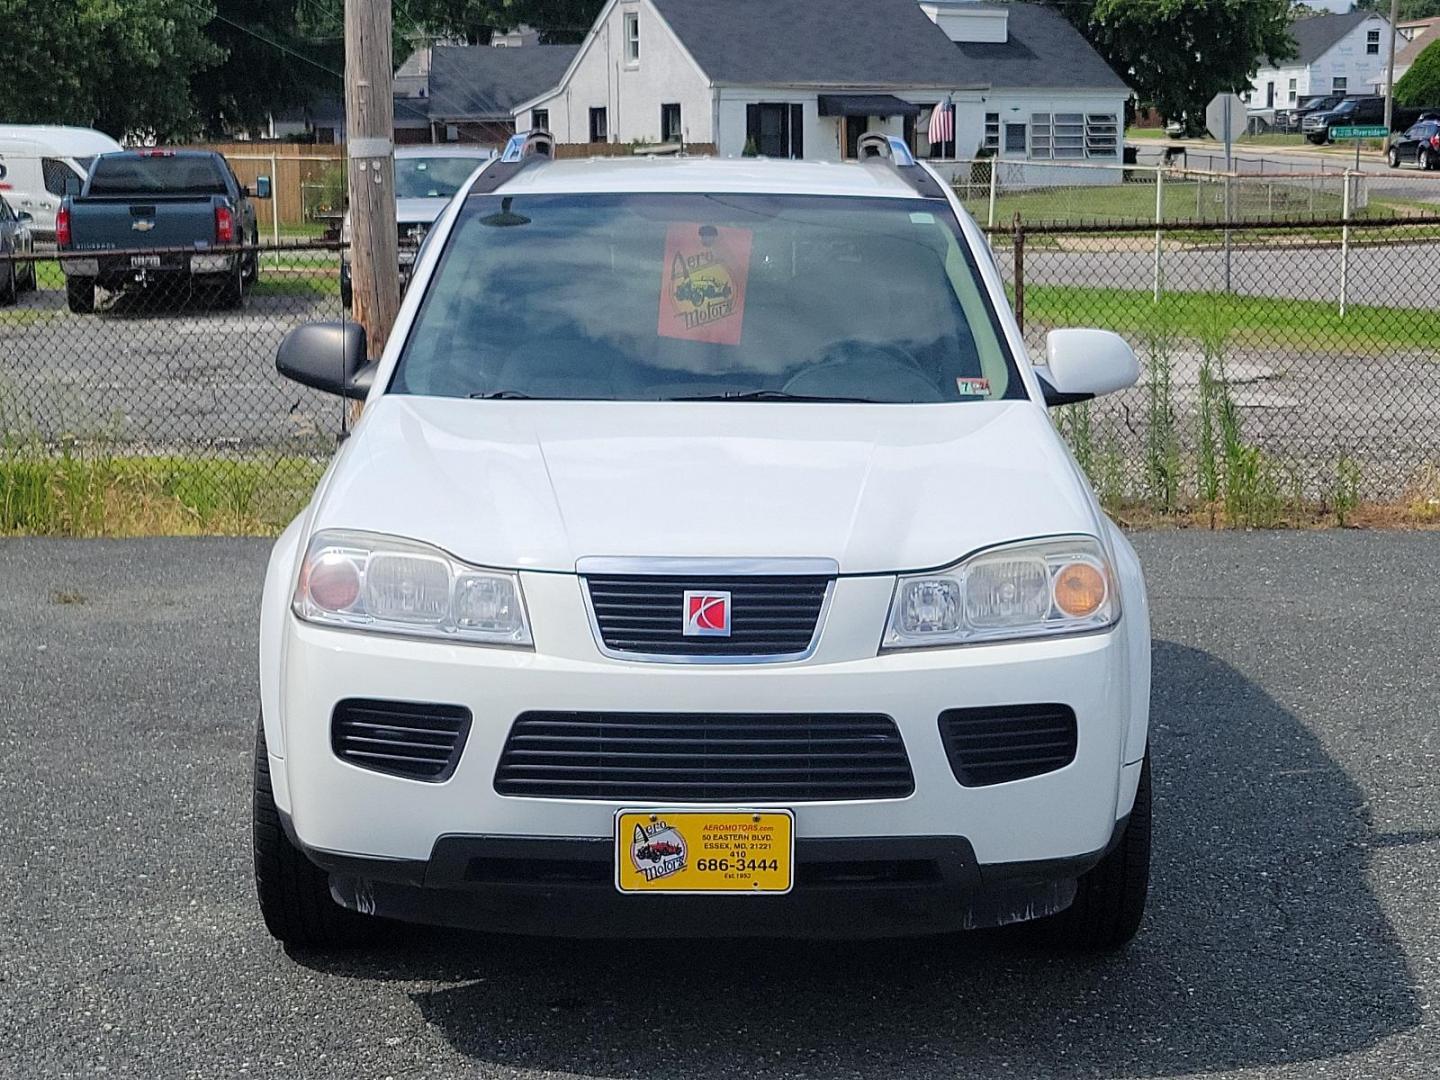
(805, 78)
(1416, 35)
(1336, 54)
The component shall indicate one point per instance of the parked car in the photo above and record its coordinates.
(15, 239)
(426, 177)
(1349, 112)
(1418, 146)
(597, 542)
(185, 204)
(1293, 119)
(37, 161)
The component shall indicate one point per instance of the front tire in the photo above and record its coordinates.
(10, 291)
(1393, 158)
(1110, 898)
(294, 893)
(1425, 160)
(80, 295)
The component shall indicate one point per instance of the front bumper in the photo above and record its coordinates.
(338, 810)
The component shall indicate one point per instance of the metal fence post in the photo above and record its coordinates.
(1018, 239)
(1227, 233)
(994, 174)
(275, 204)
(1159, 220)
(1345, 243)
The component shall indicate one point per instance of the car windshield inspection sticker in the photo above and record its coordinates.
(973, 387)
(702, 286)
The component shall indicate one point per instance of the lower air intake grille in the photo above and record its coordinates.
(995, 745)
(422, 742)
(704, 757)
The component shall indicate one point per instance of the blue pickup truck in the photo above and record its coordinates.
(159, 218)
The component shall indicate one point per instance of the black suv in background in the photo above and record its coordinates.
(1359, 111)
(1291, 120)
(1420, 145)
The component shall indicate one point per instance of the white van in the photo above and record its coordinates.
(35, 161)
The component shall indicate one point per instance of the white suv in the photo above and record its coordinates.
(705, 556)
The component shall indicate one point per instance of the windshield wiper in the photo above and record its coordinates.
(775, 395)
(504, 395)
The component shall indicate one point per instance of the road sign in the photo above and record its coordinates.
(1360, 131)
(1225, 124)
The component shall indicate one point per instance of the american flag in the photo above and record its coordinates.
(942, 123)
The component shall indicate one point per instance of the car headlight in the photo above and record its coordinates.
(364, 581)
(1040, 588)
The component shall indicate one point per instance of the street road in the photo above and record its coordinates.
(1292, 931)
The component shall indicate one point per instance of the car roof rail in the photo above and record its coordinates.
(877, 148)
(525, 149)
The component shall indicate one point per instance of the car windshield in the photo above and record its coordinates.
(155, 174)
(432, 177)
(643, 297)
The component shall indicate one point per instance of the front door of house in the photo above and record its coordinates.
(1269, 95)
(855, 126)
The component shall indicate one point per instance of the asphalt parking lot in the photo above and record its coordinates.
(1294, 927)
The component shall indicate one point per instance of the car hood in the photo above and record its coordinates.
(539, 485)
(419, 211)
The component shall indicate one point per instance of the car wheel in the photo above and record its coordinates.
(294, 893)
(252, 270)
(80, 295)
(1393, 158)
(9, 292)
(232, 294)
(31, 278)
(1110, 898)
(1425, 161)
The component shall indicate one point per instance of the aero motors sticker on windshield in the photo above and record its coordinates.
(702, 286)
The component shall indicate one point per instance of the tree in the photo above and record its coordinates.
(475, 20)
(1409, 9)
(1178, 54)
(1420, 86)
(121, 66)
(278, 53)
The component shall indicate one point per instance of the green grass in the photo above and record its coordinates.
(1272, 138)
(276, 284)
(1145, 133)
(1183, 200)
(1304, 325)
(86, 492)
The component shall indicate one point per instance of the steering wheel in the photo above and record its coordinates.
(865, 369)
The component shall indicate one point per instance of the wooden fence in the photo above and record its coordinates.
(304, 180)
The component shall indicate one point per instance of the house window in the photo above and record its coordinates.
(1042, 136)
(775, 130)
(1372, 43)
(1339, 85)
(632, 38)
(1015, 139)
(1293, 93)
(599, 126)
(670, 123)
(540, 119)
(1102, 135)
(992, 131)
(1057, 135)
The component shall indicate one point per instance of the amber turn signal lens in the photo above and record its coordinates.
(1079, 590)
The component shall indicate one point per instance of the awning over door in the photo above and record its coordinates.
(866, 105)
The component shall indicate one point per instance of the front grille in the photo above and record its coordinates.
(769, 616)
(422, 742)
(692, 757)
(996, 745)
(411, 234)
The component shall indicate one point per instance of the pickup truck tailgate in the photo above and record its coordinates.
(168, 221)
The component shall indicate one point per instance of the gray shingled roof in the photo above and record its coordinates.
(1043, 50)
(878, 43)
(860, 43)
(1315, 36)
(479, 82)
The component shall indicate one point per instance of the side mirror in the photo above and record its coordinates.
(329, 356)
(1082, 364)
(262, 187)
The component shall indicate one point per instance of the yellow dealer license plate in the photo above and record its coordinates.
(704, 851)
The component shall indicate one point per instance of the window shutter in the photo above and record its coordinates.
(797, 131)
(752, 125)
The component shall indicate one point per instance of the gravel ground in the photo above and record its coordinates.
(1292, 932)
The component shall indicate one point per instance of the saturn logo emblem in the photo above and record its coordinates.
(707, 614)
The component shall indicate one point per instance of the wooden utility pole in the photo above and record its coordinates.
(369, 134)
(1390, 74)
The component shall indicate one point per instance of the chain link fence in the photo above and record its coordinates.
(152, 401)
(1285, 363)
